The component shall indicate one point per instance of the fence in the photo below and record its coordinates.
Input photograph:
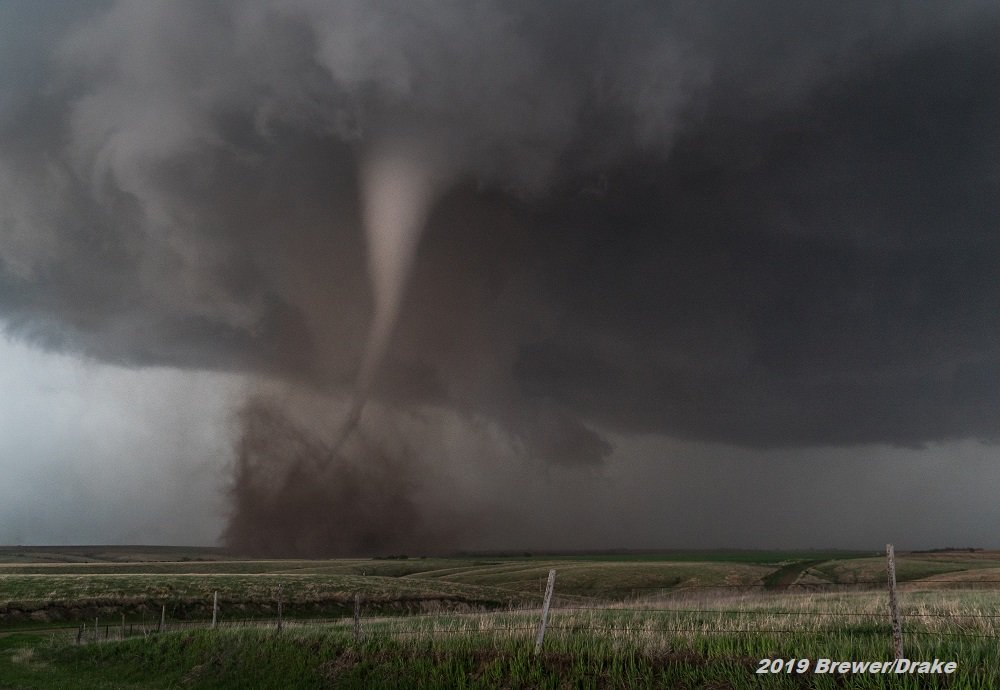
(876, 607)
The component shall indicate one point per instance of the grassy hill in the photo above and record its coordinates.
(48, 584)
(694, 619)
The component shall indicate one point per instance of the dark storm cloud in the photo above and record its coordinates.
(826, 275)
(768, 224)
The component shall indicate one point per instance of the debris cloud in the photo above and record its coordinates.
(294, 495)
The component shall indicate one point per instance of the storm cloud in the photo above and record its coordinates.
(763, 226)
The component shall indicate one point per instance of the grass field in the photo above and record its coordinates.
(702, 619)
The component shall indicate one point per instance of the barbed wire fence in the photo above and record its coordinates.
(686, 610)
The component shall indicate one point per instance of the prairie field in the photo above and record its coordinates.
(693, 619)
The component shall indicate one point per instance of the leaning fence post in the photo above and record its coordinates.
(897, 630)
(545, 610)
(215, 608)
(357, 618)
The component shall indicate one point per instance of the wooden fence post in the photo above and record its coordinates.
(79, 635)
(163, 619)
(545, 610)
(897, 629)
(123, 626)
(97, 632)
(215, 608)
(357, 618)
(279, 607)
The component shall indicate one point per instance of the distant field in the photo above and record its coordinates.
(68, 583)
(57, 583)
(105, 554)
(695, 619)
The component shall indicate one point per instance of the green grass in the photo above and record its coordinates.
(47, 591)
(111, 587)
(43, 599)
(719, 556)
(616, 648)
(111, 554)
(652, 620)
(908, 567)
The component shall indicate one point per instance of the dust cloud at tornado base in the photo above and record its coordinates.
(400, 483)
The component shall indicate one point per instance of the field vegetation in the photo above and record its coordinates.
(641, 621)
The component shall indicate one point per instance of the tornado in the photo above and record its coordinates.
(399, 183)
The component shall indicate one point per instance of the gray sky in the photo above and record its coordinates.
(94, 453)
(681, 273)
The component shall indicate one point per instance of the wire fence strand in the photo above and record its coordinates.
(735, 610)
